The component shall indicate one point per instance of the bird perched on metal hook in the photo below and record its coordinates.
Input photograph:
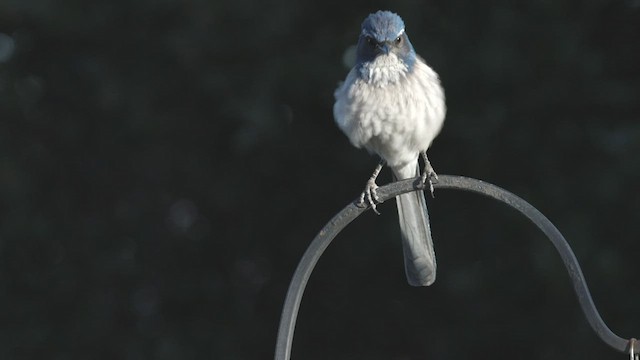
(392, 104)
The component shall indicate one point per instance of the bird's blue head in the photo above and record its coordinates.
(382, 34)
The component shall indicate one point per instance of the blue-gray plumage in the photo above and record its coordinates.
(391, 103)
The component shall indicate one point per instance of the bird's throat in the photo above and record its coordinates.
(383, 70)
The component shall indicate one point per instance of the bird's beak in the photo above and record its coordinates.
(384, 48)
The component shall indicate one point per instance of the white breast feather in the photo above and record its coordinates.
(390, 111)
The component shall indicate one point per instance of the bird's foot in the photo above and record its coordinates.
(370, 195)
(428, 175)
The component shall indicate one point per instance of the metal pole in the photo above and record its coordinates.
(352, 211)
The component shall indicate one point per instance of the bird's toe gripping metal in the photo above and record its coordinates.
(428, 175)
(369, 196)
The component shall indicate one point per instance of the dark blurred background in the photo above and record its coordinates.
(164, 165)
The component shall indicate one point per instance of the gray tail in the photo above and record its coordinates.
(417, 244)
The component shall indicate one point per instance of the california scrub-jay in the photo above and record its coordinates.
(392, 104)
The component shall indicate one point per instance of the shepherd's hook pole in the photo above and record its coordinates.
(352, 211)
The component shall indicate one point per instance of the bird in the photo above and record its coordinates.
(393, 104)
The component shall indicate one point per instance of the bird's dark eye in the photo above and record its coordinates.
(370, 41)
(398, 39)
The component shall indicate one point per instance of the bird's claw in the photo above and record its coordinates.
(429, 176)
(370, 196)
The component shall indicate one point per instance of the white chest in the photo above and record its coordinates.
(389, 110)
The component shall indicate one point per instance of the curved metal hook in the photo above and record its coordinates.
(352, 211)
